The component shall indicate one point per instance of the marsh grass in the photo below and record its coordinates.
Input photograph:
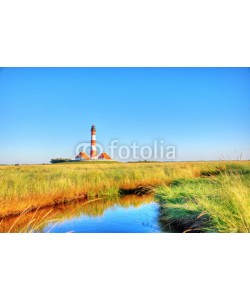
(25, 188)
(212, 204)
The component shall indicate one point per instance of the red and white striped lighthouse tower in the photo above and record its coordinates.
(93, 152)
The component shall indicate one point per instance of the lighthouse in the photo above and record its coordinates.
(93, 152)
(82, 156)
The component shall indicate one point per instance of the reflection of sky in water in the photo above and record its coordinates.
(114, 220)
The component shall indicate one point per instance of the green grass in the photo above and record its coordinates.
(212, 204)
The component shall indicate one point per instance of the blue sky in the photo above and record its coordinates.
(46, 112)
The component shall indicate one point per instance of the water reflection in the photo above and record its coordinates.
(121, 214)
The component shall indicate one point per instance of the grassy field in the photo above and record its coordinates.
(208, 204)
(28, 187)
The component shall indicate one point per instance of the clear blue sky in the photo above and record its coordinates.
(46, 112)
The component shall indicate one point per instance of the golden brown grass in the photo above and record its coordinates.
(26, 187)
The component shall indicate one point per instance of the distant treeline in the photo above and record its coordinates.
(59, 160)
